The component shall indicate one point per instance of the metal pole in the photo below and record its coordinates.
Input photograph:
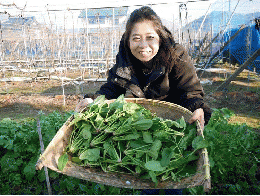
(112, 46)
(239, 70)
(202, 23)
(42, 150)
(1, 43)
(87, 31)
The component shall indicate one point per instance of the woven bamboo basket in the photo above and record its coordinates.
(163, 109)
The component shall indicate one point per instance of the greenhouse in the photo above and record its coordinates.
(53, 53)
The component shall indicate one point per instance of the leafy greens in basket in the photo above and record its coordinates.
(125, 137)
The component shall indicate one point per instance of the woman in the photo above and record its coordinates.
(151, 65)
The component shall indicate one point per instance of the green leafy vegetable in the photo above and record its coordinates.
(147, 137)
(62, 161)
(126, 137)
(154, 166)
(90, 154)
(143, 124)
(199, 143)
(167, 154)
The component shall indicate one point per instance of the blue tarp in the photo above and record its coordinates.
(243, 46)
(245, 43)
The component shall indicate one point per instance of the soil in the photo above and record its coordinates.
(26, 99)
(20, 100)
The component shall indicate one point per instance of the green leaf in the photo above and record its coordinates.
(143, 124)
(77, 118)
(54, 174)
(154, 166)
(176, 124)
(117, 104)
(166, 156)
(75, 160)
(126, 126)
(132, 136)
(99, 120)
(62, 161)
(252, 170)
(153, 177)
(174, 177)
(137, 116)
(177, 163)
(187, 140)
(154, 151)
(70, 186)
(182, 123)
(103, 110)
(211, 161)
(99, 100)
(147, 137)
(9, 144)
(29, 170)
(131, 108)
(86, 131)
(110, 149)
(156, 124)
(100, 138)
(93, 108)
(138, 169)
(120, 99)
(16, 179)
(2, 140)
(199, 142)
(90, 154)
(84, 188)
(192, 157)
(227, 113)
(169, 123)
(10, 163)
(137, 143)
(161, 135)
(41, 176)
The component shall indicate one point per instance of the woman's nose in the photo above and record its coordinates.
(143, 44)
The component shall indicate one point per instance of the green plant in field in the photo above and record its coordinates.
(19, 151)
(234, 155)
(233, 151)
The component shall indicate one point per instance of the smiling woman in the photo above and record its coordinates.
(151, 65)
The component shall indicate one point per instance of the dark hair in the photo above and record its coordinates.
(164, 56)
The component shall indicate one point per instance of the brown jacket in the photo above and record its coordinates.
(180, 85)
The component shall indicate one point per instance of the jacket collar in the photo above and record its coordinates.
(124, 72)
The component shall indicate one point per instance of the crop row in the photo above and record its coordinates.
(233, 153)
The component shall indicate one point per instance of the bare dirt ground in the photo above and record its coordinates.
(46, 96)
(20, 100)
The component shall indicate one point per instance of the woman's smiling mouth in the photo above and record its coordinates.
(144, 52)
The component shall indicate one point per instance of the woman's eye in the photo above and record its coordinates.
(136, 38)
(150, 37)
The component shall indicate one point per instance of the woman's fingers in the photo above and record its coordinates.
(82, 104)
(198, 115)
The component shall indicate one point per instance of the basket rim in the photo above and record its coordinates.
(41, 162)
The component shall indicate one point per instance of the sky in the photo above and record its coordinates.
(66, 14)
(168, 9)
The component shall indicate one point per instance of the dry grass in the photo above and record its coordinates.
(241, 96)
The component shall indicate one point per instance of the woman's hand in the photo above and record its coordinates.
(82, 104)
(198, 115)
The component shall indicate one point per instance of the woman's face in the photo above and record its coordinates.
(144, 42)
